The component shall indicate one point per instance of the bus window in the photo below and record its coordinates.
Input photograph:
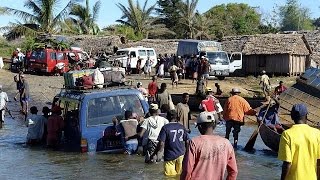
(53, 56)
(122, 52)
(150, 52)
(37, 55)
(142, 53)
(133, 54)
(60, 56)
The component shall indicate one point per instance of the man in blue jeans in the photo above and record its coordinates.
(129, 127)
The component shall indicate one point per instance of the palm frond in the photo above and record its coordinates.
(63, 13)
(34, 7)
(24, 16)
(15, 30)
(95, 10)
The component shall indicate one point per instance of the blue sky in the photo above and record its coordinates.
(110, 12)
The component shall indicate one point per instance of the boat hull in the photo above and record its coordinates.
(270, 137)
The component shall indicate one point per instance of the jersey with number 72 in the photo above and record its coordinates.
(174, 136)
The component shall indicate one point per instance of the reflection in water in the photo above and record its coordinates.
(38, 163)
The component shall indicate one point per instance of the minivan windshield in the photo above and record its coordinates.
(38, 55)
(218, 57)
(103, 110)
(122, 52)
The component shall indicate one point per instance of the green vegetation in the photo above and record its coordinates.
(84, 19)
(42, 18)
(140, 19)
(165, 19)
(293, 17)
(233, 19)
(5, 48)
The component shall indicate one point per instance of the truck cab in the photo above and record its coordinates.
(221, 64)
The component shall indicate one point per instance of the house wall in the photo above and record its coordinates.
(278, 64)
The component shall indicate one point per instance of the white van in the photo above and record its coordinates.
(136, 53)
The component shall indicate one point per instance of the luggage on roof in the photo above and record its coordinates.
(84, 79)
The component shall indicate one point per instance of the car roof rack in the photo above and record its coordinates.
(106, 86)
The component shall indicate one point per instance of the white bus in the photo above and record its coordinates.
(135, 53)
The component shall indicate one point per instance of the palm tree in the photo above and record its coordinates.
(188, 13)
(202, 27)
(140, 19)
(82, 16)
(42, 16)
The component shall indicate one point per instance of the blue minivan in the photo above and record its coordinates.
(89, 113)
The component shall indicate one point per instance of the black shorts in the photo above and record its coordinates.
(236, 125)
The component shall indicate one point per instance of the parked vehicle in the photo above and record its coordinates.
(48, 60)
(94, 111)
(135, 53)
(221, 64)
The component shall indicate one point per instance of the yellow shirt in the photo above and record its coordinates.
(299, 146)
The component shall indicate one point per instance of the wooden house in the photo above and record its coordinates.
(278, 54)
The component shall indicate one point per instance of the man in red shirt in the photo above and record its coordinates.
(153, 88)
(280, 89)
(209, 156)
(55, 126)
(211, 104)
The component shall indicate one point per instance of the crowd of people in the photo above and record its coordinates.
(178, 67)
(164, 133)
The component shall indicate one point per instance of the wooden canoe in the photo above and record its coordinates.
(270, 137)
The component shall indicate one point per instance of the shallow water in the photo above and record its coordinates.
(19, 161)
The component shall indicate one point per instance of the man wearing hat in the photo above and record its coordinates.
(234, 111)
(208, 156)
(265, 83)
(35, 124)
(211, 104)
(205, 69)
(299, 147)
(3, 103)
(151, 127)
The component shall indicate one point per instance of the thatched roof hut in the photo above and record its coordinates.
(266, 44)
(275, 44)
(276, 53)
(313, 39)
(234, 43)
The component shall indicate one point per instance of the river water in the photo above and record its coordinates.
(19, 161)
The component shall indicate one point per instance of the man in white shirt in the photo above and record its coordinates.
(265, 83)
(35, 124)
(152, 127)
(3, 103)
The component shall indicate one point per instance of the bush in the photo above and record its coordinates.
(5, 48)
